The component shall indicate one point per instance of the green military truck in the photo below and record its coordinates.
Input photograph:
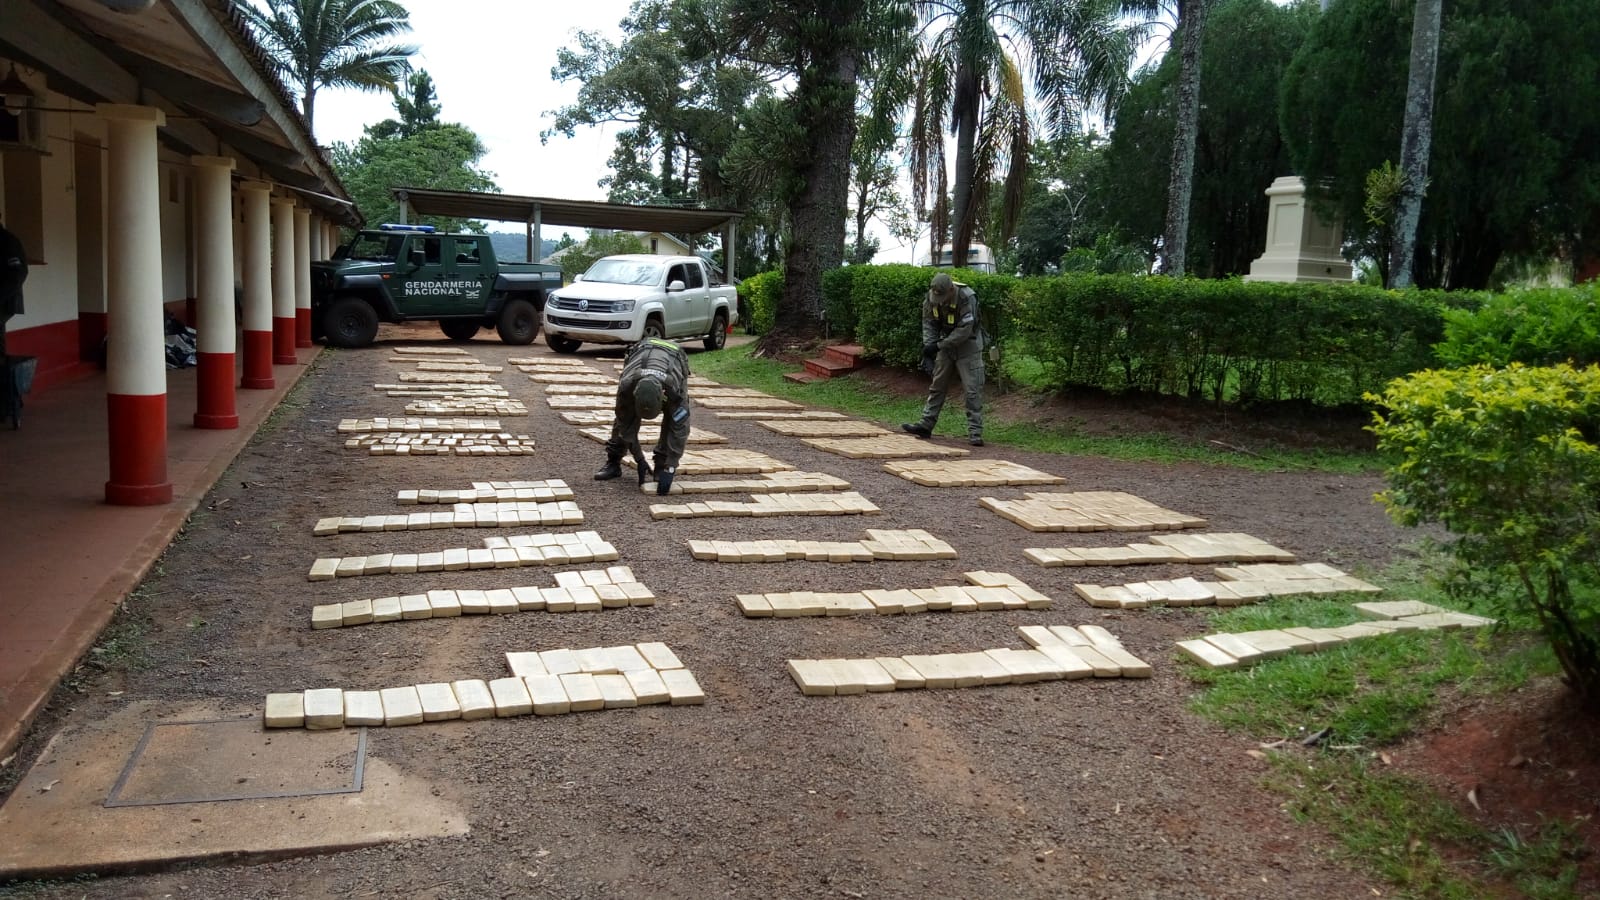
(408, 273)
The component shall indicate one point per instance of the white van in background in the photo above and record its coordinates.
(979, 258)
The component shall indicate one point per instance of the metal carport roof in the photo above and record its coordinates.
(553, 211)
(535, 212)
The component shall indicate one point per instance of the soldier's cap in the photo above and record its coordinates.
(943, 286)
(647, 398)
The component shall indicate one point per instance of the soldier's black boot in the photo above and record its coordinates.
(612, 468)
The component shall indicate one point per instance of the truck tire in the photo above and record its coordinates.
(459, 329)
(653, 330)
(719, 332)
(561, 344)
(350, 322)
(519, 322)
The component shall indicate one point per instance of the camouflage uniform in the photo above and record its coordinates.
(666, 364)
(950, 324)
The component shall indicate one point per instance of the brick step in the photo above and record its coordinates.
(827, 368)
(801, 377)
(849, 354)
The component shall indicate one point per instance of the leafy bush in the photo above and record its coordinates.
(759, 295)
(1507, 460)
(838, 304)
(1224, 339)
(1534, 327)
(886, 305)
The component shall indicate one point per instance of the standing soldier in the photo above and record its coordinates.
(655, 381)
(952, 342)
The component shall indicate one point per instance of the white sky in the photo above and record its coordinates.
(490, 61)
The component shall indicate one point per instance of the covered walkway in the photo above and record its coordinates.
(68, 559)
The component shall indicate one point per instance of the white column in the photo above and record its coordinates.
(283, 282)
(213, 219)
(136, 370)
(302, 277)
(318, 233)
(257, 285)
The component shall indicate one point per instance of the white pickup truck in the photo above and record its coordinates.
(626, 299)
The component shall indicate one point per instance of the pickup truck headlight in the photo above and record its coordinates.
(625, 306)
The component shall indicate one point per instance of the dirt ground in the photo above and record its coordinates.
(1086, 789)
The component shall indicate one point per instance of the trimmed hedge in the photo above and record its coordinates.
(1322, 343)
(759, 295)
(1535, 327)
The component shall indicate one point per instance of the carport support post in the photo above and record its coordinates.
(257, 286)
(136, 366)
(730, 249)
(538, 238)
(214, 396)
(283, 282)
(302, 277)
(318, 236)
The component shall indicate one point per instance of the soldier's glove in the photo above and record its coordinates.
(664, 480)
(930, 353)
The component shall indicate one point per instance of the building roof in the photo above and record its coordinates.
(194, 59)
(554, 211)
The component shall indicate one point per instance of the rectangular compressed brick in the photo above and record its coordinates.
(438, 702)
(401, 706)
(659, 655)
(616, 692)
(474, 697)
(510, 697)
(812, 676)
(647, 686)
(327, 615)
(284, 711)
(582, 691)
(1208, 654)
(683, 688)
(324, 708)
(523, 664)
(444, 604)
(549, 697)
(415, 606)
(363, 708)
(905, 676)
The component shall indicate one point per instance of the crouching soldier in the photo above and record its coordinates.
(655, 381)
(952, 345)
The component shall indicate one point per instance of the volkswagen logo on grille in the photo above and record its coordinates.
(583, 305)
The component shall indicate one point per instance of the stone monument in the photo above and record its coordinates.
(1301, 245)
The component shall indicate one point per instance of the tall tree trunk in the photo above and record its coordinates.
(964, 214)
(308, 106)
(1416, 140)
(825, 101)
(1180, 178)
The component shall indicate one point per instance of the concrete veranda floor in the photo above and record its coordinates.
(67, 559)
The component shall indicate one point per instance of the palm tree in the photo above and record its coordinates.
(974, 56)
(333, 43)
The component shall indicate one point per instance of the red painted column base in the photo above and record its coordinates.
(214, 407)
(137, 428)
(257, 361)
(302, 327)
(283, 341)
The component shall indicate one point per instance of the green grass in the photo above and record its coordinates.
(1372, 693)
(735, 366)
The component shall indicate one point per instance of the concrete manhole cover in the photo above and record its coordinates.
(234, 759)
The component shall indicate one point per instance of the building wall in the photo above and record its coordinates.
(48, 329)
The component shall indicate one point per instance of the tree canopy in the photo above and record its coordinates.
(1238, 149)
(1515, 169)
(416, 150)
(332, 43)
